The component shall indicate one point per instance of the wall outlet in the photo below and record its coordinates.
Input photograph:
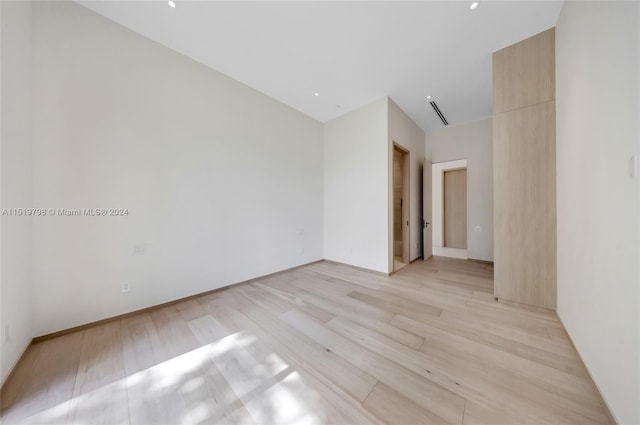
(140, 249)
(478, 228)
(126, 287)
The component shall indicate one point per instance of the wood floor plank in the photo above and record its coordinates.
(480, 414)
(485, 354)
(325, 285)
(418, 278)
(359, 316)
(298, 399)
(394, 408)
(275, 305)
(566, 361)
(304, 350)
(428, 292)
(296, 302)
(100, 392)
(175, 336)
(395, 304)
(338, 303)
(270, 387)
(337, 385)
(46, 397)
(141, 343)
(209, 387)
(323, 343)
(190, 309)
(573, 397)
(348, 274)
(21, 375)
(469, 382)
(306, 274)
(238, 355)
(431, 396)
(431, 368)
(144, 361)
(285, 276)
(475, 323)
(281, 283)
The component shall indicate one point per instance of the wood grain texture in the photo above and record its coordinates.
(390, 406)
(401, 206)
(524, 161)
(45, 396)
(321, 344)
(525, 205)
(398, 176)
(100, 377)
(524, 73)
(455, 208)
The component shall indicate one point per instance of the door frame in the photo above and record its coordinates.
(406, 206)
(438, 170)
(427, 209)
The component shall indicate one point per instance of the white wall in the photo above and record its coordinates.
(356, 188)
(222, 183)
(15, 166)
(598, 116)
(406, 133)
(474, 142)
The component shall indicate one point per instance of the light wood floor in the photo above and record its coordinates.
(397, 263)
(320, 344)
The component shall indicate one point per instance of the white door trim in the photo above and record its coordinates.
(437, 178)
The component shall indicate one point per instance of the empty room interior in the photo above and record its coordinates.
(322, 212)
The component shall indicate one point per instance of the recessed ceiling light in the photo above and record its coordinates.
(428, 97)
(172, 4)
(474, 5)
(316, 94)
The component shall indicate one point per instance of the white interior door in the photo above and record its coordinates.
(427, 227)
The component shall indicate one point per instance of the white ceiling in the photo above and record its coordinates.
(351, 53)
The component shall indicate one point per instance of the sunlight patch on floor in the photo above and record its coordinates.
(260, 386)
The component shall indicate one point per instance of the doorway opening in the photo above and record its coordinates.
(427, 209)
(450, 209)
(401, 207)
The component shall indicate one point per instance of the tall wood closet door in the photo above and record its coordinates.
(525, 172)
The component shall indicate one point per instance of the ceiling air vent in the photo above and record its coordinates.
(435, 108)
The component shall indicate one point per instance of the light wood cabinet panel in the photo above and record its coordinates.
(525, 205)
(524, 73)
(525, 171)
